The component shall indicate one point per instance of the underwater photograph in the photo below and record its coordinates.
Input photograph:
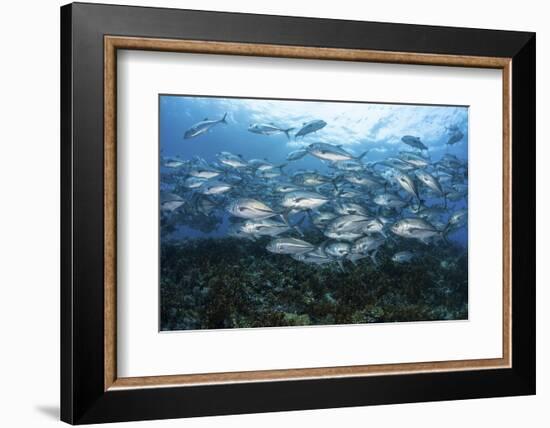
(278, 212)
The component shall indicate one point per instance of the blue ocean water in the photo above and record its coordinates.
(295, 212)
(355, 126)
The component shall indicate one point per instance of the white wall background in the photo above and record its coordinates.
(29, 213)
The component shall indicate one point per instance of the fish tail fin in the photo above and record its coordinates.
(297, 225)
(419, 205)
(287, 132)
(334, 182)
(362, 155)
(323, 245)
(373, 257)
(284, 216)
(446, 230)
(223, 118)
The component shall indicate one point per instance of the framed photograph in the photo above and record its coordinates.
(266, 213)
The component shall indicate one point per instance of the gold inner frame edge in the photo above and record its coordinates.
(113, 43)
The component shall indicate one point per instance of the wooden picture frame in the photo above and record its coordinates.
(91, 390)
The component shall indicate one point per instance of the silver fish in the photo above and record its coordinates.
(268, 173)
(349, 193)
(309, 127)
(364, 179)
(430, 181)
(204, 172)
(414, 159)
(296, 154)
(331, 152)
(366, 244)
(342, 236)
(355, 257)
(414, 142)
(403, 257)
(374, 225)
(203, 126)
(347, 208)
(451, 161)
(397, 163)
(407, 184)
(322, 218)
(170, 201)
(302, 200)
(337, 250)
(262, 165)
(250, 209)
(194, 182)
(415, 228)
(214, 188)
(173, 163)
(232, 160)
(269, 129)
(348, 223)
(265, 227)
(455, 196)
(390, 200)
(309, 179)
(458, 218)
(204, 205)
(348, 165)
(289, 246)
(236, 231)
(455, 137)
(429, 213)
(317, 257)
(285, 188)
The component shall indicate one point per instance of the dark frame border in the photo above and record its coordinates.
(83, 399)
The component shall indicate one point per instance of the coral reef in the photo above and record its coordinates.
(235, 283)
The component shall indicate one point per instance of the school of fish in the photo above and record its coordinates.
(357, 205)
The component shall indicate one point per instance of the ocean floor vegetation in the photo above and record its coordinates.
(233, 283)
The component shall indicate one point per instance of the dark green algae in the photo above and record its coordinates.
(235, 283)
